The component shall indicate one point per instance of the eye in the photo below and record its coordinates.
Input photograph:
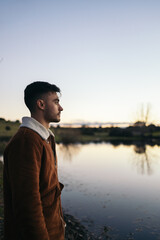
(56, 102)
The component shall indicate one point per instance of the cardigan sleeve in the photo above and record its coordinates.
(24, 163)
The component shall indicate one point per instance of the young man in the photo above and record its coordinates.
(32, 205)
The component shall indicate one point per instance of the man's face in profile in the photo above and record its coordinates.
(52, 107)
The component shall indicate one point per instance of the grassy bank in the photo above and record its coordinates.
(1, 190)
(1, 201)
(7, 130)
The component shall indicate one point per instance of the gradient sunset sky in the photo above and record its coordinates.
(103, 54)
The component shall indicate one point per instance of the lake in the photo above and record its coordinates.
(112, 190)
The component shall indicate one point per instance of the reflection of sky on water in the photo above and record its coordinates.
(112, 186)
(68, 151)
(105, 187)
(145, 158)
(1, 158)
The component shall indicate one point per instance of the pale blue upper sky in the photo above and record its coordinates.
(103, 54)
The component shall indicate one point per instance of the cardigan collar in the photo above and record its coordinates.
(36, 126)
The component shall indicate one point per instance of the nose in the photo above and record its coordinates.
(60, 108)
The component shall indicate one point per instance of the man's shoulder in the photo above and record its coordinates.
(25, 136)
(25, 133)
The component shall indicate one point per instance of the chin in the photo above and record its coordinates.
(56, 120)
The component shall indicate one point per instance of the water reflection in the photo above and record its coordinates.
(1, 158)
(101, 189)
(144, 158)
(69, 150)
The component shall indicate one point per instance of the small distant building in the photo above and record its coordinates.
(139, 124)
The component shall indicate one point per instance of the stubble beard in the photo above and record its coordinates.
(50, 118)
(55, 119)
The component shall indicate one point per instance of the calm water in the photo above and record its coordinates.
(115, 188)
(112, 188)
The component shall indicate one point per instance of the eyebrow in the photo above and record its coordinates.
(56, 99)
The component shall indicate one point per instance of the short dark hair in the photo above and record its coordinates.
(35, 90)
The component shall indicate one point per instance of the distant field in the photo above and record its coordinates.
(129, 135)
(8, 128)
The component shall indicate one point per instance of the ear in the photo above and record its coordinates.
(40, 104)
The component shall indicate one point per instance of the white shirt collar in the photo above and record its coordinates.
(36, 126)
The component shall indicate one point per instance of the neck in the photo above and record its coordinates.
(41, 120)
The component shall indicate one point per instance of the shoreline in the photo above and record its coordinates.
(74, 229)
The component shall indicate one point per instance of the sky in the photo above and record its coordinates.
(104, 55)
